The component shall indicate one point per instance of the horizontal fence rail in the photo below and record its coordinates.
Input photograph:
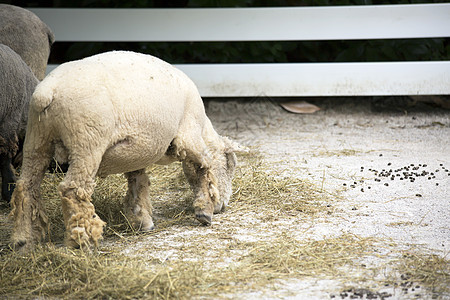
(319, 79)
(276, 24)
(248, 24)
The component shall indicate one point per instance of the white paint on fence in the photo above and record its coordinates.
(249, 24)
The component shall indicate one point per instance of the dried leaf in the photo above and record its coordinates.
(300, 107)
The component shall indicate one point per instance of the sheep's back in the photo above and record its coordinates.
(27, 35)
(142, 100)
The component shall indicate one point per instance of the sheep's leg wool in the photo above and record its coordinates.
(84, 228)
(137, 202)
(30, 220)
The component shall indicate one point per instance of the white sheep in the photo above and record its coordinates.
(117, 112)
(27, 35)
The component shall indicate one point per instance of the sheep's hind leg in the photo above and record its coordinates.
(84, 228)
(30, 220)
(137, 201)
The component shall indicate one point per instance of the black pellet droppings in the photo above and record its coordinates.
(385, 294)
(369, 187)
(441, 165)
(344, 184)
(381, 154)
(389, 164)
(362, 190)
(437, 183)
(424, 165)
(418, 195)
(386, 184)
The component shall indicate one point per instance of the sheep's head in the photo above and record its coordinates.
(212, 185)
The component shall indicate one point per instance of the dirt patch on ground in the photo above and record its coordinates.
(337, 204)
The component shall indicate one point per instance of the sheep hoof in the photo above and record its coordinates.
(147, 228)
(203, 218)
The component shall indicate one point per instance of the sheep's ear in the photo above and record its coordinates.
(232, 146)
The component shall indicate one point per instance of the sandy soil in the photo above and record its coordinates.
(360, 148)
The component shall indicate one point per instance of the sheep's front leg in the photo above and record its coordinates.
(137, 201)
(84, 228)
(204, 186)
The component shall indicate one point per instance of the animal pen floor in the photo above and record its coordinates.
(349, 202)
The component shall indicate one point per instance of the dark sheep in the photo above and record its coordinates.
(27, 35)
(17, 83)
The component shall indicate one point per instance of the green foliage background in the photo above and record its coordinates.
(252, 52)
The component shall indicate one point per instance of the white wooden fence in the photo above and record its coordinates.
(277, 24)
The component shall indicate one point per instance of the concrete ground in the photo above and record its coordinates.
(389, 159)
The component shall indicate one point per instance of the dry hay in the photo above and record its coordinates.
(341, 152)
(430, 270)
(219, 264)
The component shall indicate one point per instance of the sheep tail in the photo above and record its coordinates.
(42, 98)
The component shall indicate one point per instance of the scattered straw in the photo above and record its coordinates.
(258, 190)
(429, 270)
